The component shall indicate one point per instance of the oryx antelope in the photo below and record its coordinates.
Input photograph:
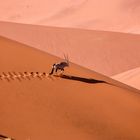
(60, 66)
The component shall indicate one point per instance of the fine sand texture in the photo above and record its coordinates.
(116, 15)
(80, 105)
(131, 77)
(108, 53)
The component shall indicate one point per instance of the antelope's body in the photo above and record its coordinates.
(60, 66)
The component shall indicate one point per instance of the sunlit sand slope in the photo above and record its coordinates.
(105, 52)
(131, 77)
(75, 106)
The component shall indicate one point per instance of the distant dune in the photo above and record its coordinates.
(108, 53)
(131, 77)
(76, 106)
(116, 15)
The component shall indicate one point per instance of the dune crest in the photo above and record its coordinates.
(105, 52)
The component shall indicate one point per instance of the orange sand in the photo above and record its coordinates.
(64, 109)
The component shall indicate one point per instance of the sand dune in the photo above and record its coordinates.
(131, 77)
(105, 52)
(63, 108)
(117, 15)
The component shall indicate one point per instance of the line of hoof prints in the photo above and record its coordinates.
(9, 76)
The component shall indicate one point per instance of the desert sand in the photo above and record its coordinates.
(116, 15)
(75, 106)
(97, 97)
(108, 53)
(131, 77)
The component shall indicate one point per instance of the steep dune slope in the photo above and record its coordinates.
(105, 52)
(61, 108)
(131, 77)
(117, 15)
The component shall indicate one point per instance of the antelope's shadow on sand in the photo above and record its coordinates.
(82, 79)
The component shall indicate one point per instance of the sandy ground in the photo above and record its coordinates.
(131, 77)
(116, 15)
(82, 104)
(108, 53)
(76, 106)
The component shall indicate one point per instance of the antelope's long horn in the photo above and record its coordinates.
(66, 58)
